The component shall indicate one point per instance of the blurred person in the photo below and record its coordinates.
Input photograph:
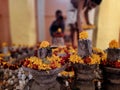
(67, 35)
(58, 23)
(83, 7)
(77, 16)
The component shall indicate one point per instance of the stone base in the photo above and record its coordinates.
(84, 48)
(88, 85)
(111, 78)
(36, 86)
(58, 41)
(44, 80)
(84, 76)
(113, 54)
(109, 86)
(44, 52)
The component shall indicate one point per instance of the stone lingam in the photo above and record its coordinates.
(111, 70)
(84, 69)
(44, 69)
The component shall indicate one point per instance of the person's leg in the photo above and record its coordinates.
(86, 16)
(87, 24)
(72, 33)
(79, 14)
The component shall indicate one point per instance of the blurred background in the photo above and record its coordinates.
(28, 21)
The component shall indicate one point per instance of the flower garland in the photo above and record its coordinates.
(36, 63)
(74, 58)
(93, 59)
(101, 53)
(6, 65)
(67, 73)
(64, 50)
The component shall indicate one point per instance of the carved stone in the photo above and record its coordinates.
(45, 80)
(44, 52)
(58, 41)
(84, 75)
(84, 48)
(113, 54)
(111, 78)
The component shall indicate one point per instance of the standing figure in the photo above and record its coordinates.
(57, 29)
(83, 7)
(78, 15)
(58, 23)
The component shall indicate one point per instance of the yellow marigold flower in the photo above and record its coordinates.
(76, 59)
(53, 58)
(29, 66)
(56, 49)
(1, 58)
(71, 74)
(83, 35)
(72, 51)
(113, 44)
(95, 59)
(81, 61)
(104, 57)
(64, 73)
(4, 44)
(44, 66)
(118, 60)
(44, 44)
(97, 50)
(59, 30)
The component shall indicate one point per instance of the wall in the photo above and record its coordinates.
(4, 22)
(108, 23)
(41, 19)
(22, 21)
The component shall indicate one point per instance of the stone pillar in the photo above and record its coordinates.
(4, 22)
(111, 78)
(22, 21)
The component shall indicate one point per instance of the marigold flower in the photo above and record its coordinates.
(113, 44)
(44, 44)
(83, 35)
(59, 30)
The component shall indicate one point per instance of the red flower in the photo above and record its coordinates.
(87, 60)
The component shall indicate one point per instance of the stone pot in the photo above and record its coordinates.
(45, 80)
(111, 78)
(84, 76)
